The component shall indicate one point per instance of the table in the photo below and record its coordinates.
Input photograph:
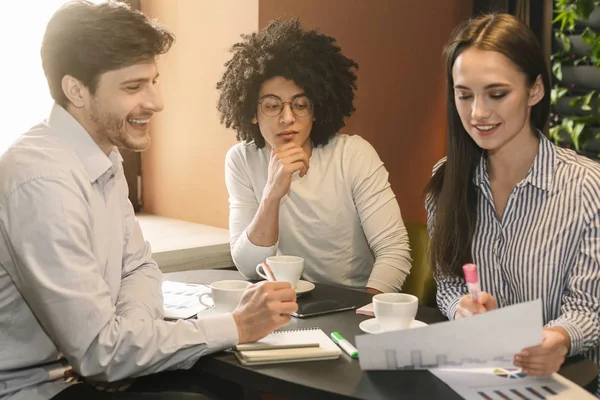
(343, 378)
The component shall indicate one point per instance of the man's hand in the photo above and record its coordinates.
(265, 307)
(468, 307)
(285, 160)
(547, 357)
(373, 291)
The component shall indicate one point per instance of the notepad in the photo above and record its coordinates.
(288, 346)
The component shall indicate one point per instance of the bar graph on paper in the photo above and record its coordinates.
(415, 359)
(508, 384)
(500, 335)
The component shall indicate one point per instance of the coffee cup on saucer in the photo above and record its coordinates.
(284, 268)
(395, 311)
(225, 295)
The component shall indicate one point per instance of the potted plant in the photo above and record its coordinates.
(575, 117)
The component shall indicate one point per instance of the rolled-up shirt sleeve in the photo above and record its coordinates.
(243, 206)
(580, 304)
(61, 280)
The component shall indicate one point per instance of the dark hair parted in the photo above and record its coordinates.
(308, 58)
(85, 40)
(451, 188)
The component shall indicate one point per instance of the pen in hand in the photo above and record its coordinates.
(344, 344)
(472, 280)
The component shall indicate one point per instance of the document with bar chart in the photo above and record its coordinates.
(508, 384)
(487, 340)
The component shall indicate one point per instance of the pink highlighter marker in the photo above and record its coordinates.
(470, 271)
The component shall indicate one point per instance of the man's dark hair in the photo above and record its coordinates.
(308, 58)
(85, 40)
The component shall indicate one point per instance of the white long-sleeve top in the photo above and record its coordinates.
(78, 285)
(342, 217)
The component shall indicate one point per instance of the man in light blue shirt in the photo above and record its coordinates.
(78, 286)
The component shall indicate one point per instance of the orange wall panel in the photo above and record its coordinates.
(400, 102)
(184, 168)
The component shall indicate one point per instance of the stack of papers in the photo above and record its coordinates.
(474, 356)
(491, 339)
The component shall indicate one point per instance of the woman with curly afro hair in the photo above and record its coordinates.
(296, 186)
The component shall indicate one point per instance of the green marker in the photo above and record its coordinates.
(344, 344)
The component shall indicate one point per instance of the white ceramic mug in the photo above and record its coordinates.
(225, 295)
(284, 268)
(395, 311)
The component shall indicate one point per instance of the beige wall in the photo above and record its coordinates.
(183, 170)
(400, 100)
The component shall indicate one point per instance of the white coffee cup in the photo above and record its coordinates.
(284, 268)
(395, 311)
(225, 295)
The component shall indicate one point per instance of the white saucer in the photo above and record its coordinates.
(371, 325)
(304, 287)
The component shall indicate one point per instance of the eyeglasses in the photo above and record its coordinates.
(272, 106)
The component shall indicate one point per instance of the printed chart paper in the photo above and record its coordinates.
(180, 300)
(486, 340)
(508, 384)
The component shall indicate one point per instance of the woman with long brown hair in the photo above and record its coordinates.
(526, 212)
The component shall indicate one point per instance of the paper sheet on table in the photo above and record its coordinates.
(508, 384)
(486, 340)
(180, 300)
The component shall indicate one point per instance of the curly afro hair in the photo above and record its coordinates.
(308, 58)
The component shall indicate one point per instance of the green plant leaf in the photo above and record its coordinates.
(564, 39)
(576, 134)
(584, 59)
(556, 93)
(567, 124)
(584, 102)
(554, 134)
(557, 70)
(566, 17)
(583, 8)
(587, 99)
(588, 36)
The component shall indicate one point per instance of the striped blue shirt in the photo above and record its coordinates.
(546, 246)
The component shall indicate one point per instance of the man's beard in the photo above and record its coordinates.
(114, 130)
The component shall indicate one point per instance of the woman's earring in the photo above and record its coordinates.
(314, 118)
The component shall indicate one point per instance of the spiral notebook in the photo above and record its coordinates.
(288, 346)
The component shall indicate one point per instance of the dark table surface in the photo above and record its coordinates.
(343, 378)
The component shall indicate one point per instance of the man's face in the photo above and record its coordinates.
(119, 111)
